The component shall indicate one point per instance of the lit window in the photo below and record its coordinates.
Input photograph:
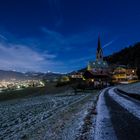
(133, 71)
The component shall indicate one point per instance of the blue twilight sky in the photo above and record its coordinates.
(61, 35)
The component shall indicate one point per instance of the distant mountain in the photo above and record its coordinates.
(10, 75)
(35, 75)
(51, 76)
(46, 76)
(78, 71)
(128, 56)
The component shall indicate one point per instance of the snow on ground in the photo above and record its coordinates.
(66, 123)
(131, 88)
(125, 103)
(19, 117)
(104, 128)
(67, 126)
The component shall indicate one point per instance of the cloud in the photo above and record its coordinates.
(57, 41)
(109, 43)
(71, 44)
(3, 37)
(52, 51)
(91, 57)
(34, 54)
(83, 59)
(23, 58)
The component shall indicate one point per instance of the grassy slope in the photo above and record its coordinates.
(8, 95)
(50, 88)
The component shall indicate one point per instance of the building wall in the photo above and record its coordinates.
(124, 74)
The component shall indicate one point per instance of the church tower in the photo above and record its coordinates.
(99, 63)
(99, 52)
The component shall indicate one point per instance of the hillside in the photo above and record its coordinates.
(129, 56)
(8, 75)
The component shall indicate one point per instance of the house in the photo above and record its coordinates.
(123, 74)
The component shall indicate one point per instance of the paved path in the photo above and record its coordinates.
(122, 121)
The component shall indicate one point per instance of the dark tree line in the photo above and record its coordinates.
(129, 56)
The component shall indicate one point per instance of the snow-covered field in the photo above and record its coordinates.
(40, 117)
(131, 88)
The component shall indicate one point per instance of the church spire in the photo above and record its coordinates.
(99, 53)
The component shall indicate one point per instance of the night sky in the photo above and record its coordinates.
(61, 35)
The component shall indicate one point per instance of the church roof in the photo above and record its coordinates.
(98, 64)
(99, 52)
(90, 74)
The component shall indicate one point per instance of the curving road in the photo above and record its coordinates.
(118, 116)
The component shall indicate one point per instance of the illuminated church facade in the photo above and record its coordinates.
(97, 73)
(99, 65)
(99, 70)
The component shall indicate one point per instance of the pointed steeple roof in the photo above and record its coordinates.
(99, 44)
(99, 53)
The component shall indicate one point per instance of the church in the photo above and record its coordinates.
(98, 71)
(99, 74)
(99, 65)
